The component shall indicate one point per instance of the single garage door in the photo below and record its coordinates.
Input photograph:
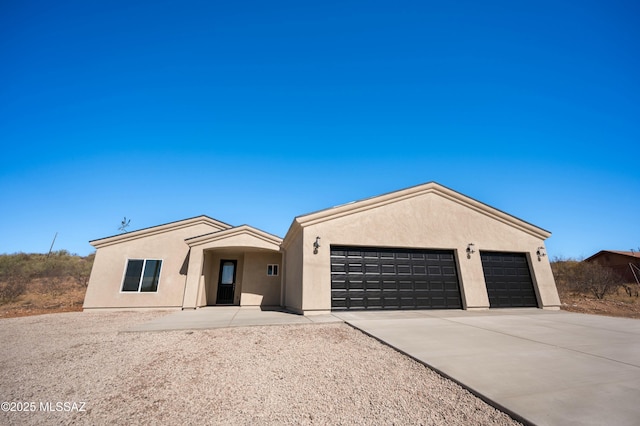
(508, 280)
(385, 278)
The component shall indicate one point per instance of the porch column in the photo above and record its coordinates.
(194, 274)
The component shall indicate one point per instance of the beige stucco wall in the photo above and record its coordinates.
(258, 289)
(105, 283)
(211, 274)
(292, 279)
(425, 221)
(253, 286)
(249, 247)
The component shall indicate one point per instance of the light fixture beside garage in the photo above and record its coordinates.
(316, 245)
(471, 248)
(541, 253)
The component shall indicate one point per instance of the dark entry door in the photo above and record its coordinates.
(509, 283)
(226, 282)
(393, 278)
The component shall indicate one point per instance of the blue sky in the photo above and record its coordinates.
(256, 112)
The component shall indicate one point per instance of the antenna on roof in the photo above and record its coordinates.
(124, 224)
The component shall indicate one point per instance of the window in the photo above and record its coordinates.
(228, 273)
(272, 270)
(142, 275)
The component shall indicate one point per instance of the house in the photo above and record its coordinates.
(424, 247)
(624, 263)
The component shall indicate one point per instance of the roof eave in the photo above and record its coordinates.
(154, 230)
(231, 232)
(430, 187)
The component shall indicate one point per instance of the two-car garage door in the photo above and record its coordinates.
(386, 278)
(401, 278)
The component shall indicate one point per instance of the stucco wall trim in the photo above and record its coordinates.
(142, 233)
(428, 188)
(294, 230)
(272, 240)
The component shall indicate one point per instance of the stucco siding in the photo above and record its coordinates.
(105, 283)
(425, 221)
(259, 289)
(294, 257)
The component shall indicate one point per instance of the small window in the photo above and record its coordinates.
(228, 274)
(142, 275)
(272, 270)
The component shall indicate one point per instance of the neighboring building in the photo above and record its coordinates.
(425, 247)
(624, 263)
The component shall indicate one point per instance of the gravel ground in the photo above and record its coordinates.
(293, 374)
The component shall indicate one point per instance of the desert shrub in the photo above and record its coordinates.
(573, 276)
(52, 270)
(562, 273)
(11, 290)
(14, 275)
(60, 266)
(632, 289)
(595, 279)
(82, 269)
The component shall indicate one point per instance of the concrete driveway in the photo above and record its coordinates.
(542, 367)
(227, 316)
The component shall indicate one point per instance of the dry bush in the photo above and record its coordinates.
(11, 290)
(18, 271)
(595, 279)
(632, 289)
(14, 276)
(562, 273)
(577, 277)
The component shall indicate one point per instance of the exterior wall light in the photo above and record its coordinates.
(471, 248)
(541, 253)
(316, 245)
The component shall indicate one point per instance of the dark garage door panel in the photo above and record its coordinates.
(508, 279)
(384, 278)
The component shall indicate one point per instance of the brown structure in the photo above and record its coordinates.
(624, 263)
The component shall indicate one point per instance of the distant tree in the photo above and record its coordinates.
(562, 269)
(593, 278)
(579, 277)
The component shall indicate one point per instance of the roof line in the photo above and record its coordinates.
(236, 228)
(242, 229)
(353, 206)
(134, 234)
(622, 253)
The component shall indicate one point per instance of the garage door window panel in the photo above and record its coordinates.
(419, 270)
(404, 269)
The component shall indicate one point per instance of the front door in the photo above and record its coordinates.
(226, 282)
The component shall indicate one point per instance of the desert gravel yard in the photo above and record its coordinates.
(289, 374)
